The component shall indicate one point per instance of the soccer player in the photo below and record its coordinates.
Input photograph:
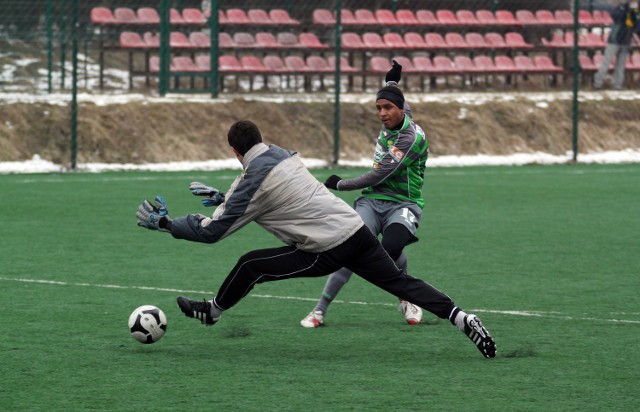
(322, 234)
(391, 202)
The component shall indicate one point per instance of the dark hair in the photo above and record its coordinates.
(243, 135)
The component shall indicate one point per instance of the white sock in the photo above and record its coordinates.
(216, 312)
(459, 320)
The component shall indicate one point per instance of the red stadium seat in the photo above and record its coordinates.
(379, 64)
(152, 40)
(406, 17)
(593, 40)
(237, 16)
(414, 40)
(183, 64)
(124, 15)
(373, 41)
(225, 41)
(422, 64)
(229, 64)
(274, 64)
(602, 18)
(426, 18)
(486, 18)
(515, 40)
(557, 42)
(586, 64)
(365, 17)
(280, 16)
(484, 64)
(175, 17)
(286, 39)
(563, 17)
(242, 39)
(443, 64)
(345, 67)
(203, 62)
(323, 17)
(505, 64)
(179, 40)
(435, 41)
(545, 18)
(352, 41)
(405, 62)
(199, 40)
(525, 64)
(295, 64)
(252, 64)
(192, 15)
(467, 18)
(131, 40)
(475, 40)
(310, 40)
(394, 40)
(386, 17)
(446, 18)
(585, 18)
(318, 64)
(495, 40)
(148, 15)
(505, 18)
(455, 40)
(266, 40)
(347, 17)
(102, 15)
(543, 63)
(526, 18)
(464, 64)
(259, 17)
(154, 64)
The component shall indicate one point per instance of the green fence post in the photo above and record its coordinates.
(49, 45)
(336, 104)
(576, 73)
(165, 28)
(214, 34)
(74, 83)
(63, 39)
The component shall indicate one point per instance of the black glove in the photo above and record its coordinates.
(394, 74)
(332, 182)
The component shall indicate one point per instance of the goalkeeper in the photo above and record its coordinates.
(322, 233)
(391, 202)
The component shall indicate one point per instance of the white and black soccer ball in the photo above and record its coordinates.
(147, 324)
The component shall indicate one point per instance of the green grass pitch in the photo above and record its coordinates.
(547, 256)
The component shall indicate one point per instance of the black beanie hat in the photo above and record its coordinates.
(393, 94)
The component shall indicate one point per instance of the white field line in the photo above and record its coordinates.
(540, 314)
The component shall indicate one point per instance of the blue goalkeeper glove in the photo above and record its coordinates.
(214, 197)
(154, 217)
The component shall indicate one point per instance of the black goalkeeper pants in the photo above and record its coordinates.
(362, 253)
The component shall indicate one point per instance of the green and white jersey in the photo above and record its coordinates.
(398, 168)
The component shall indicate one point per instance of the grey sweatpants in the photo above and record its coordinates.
(611, 52)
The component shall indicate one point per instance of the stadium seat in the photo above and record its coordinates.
(406, 17)
(515, 40)
(179, 40)
(454, 40)
(131, 40)
(544, 64)
(505, 64)
(464, 64)
(259, 17)
(602, 18)
(563, 17)
(102, 15)
(225, 41)
(379, 64)
(154, 64)
(483, 64)
(557, 42)
(229, 64)
(347, 17)
(526, 18)
(124, 15)
(286, 39)
(243, 39)
(634, 62)
(345, 67)
(585, 18)
(148, 15)
(435, 41)
(295, 64)
(495, 40)
(152, 40)
(446, 18)
(545, 18)
(265, 40)
(281, 16)
(593, 40)
(524, 64)
(310, 40)
(203, 62)
(414, 40)
(274, 64)
(365, 17)
(352, 41)
(183, 64)
(373, 41)
(405, 62)
(467, 18)
(237, 16)
(422, 64)
(394, 40)
(443, 64)
(175, 17)
(323, 17)
(506, 18)
(318, 64)
(475, 40)
(386, 17)
(486, 18)
(194, 16)
(586, 64)
(426, 18)
(252, 64)
(199, 40)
